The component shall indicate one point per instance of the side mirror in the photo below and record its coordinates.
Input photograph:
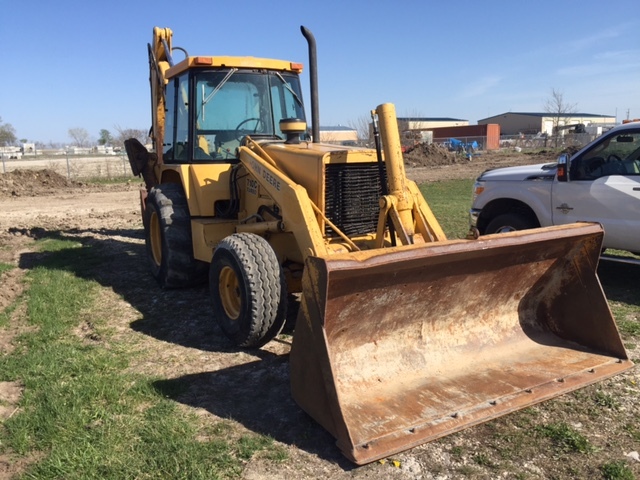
(563, 167)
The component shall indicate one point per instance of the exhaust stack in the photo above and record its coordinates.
(313, 80)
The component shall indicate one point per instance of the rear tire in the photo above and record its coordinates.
(168, 238)
(248, 290)
(509, 222)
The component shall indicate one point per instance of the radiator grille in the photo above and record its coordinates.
(352, 194)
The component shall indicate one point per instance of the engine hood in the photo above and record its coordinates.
(542, 171)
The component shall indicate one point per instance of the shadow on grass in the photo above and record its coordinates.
(620, 281)
(256, 395)
(117, 259)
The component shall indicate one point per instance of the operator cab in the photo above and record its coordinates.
(210, 111)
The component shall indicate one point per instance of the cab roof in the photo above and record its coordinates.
(233, 62)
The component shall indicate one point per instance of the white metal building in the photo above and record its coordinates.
(339, 135)
(422, 123)
(514, 123)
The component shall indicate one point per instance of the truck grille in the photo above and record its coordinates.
(352, 194)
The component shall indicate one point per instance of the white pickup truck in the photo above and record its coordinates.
(600, 183)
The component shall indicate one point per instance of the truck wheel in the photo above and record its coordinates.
(509, 222)
(248, 290)
(168, 238)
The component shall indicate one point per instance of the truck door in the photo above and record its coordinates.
(604, 187)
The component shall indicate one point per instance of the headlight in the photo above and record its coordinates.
(478, 188)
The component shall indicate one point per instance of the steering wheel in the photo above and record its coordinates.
(613, 158)
(239, 133)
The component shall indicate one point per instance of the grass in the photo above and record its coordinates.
(629, 327)
(633, 430)
(483, 460)
(81, 413)
(607, 400)
(450, 202)
(565, 438)
(5, 315)
(617, 470)
(5, 267)
(6, 312)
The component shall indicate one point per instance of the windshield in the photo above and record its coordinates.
(233, 103)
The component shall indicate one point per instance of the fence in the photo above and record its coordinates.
(546, 141)
(523, 142)
(117, 166)
(73, 166)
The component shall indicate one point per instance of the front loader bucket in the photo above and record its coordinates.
(397, 347)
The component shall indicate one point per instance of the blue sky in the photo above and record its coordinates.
(69, 64)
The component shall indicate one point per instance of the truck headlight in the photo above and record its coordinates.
(478, 188)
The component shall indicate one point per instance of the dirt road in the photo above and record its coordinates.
(177, 341)
(72, 210)
(73, 166)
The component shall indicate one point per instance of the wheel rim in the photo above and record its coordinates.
(505, 229)
(230, 293)
(155, 238)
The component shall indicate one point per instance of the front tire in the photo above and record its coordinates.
(509, 222)
(248, 290)
(168, 238)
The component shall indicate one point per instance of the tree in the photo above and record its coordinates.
(559, 110)
(362, 125)
(126, 133)
(80, 136)
(7, 134)
(105, 137)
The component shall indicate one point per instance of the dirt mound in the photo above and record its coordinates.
(426, 155)
(33, 182)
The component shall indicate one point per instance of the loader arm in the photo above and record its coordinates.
(406, 206)
(159, 62)
(144, 163)
(297, 208)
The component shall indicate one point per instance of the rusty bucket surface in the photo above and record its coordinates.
(397, 347)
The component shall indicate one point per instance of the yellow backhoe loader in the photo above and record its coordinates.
(402, 336)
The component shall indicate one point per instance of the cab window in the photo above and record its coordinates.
(176, 127)
(615, 155)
